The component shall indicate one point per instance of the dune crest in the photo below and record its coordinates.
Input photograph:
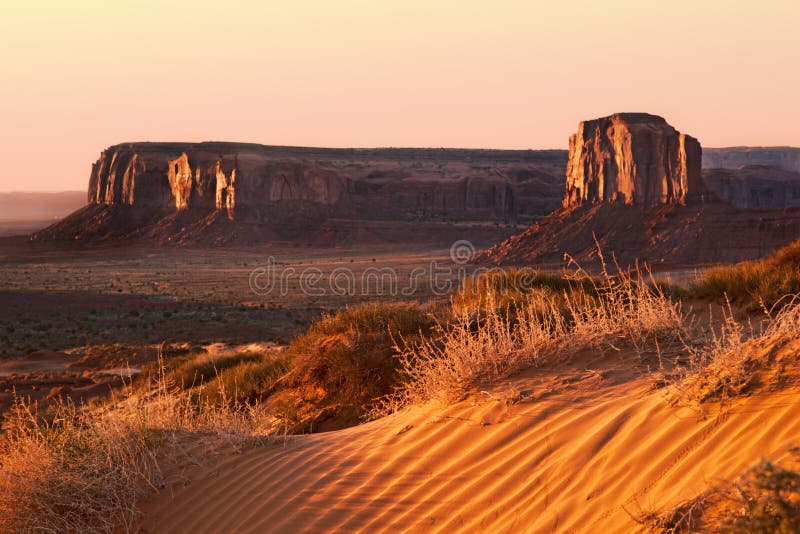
(577, 448)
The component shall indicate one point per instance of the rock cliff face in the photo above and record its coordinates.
(163, 188)
(632, 158)
(174, 176)
(755, 186)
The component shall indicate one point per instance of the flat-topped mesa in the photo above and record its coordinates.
(271, 185)
(182, 176)
(633, 158)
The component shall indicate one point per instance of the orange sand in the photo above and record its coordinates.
(562, 450)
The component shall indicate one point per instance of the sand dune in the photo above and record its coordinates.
(566, 450)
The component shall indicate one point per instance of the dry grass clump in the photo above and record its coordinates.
(248, 381)
(629, 305)
(734, 360)
(468, 350)
(490, 343)
(240, 377)
(205, 367)
(505, 290)
(81, 469)
(759, 283)
(344, 362)
(685, 517)
(74, 473)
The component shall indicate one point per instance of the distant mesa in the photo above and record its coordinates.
(755, 186)
(216, 193)
(782, 157)
(632, 158)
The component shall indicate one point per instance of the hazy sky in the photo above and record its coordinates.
(81, 75)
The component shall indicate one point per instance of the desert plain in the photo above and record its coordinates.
(237, 338)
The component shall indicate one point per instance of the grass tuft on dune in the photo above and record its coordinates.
(762, 283)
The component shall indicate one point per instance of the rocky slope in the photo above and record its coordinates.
(669, 235)
(633, 158)
(185, 192)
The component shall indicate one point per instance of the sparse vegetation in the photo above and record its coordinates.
(755, 283)
(586, 312)
(81, 468)
(764, 500)
(85, 467)
(735, 360)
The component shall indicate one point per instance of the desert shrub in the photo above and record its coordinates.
(344, 362)
(84, 469)
(505, 290)
(760, 283)
(766, 500)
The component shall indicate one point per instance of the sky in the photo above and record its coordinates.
(78, 76)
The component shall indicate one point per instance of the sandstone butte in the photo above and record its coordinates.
(633, 158)
(635, 187)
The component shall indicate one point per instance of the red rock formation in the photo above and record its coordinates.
(182, 176)
(631, 180)
(180, 190)
(633, 158)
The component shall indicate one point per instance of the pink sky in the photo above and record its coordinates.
(79, 76)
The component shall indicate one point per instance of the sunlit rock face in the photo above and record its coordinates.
(267, 184)
(158, 175)
(632, 158)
